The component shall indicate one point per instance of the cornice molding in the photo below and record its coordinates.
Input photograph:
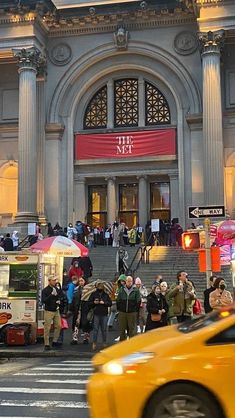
(125, 173)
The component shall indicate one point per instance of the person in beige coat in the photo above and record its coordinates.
(220, 297)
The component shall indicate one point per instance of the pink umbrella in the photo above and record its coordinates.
(225, 232)
(61, 246)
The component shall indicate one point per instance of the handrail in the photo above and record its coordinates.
(24, 242)
(139, 249)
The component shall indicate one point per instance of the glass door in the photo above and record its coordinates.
(160, 200)
(128, 204)
(97, 206)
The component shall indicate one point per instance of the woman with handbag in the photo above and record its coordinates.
(157, 309)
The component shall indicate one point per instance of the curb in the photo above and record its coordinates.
(44, 354)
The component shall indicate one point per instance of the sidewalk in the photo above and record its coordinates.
(67, 350)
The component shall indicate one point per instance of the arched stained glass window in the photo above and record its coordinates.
(157, 111)
(126, 102)
(96, 112)
(126, 106)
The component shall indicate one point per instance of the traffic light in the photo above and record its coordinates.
(190, 240)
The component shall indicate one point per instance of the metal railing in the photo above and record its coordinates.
(141, 256)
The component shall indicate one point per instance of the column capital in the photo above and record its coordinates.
(80, 179)
(30, 58)
(110, 178)
(142, 176)
(211, 42)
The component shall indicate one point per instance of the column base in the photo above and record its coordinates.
(42, 219)
(25, 217)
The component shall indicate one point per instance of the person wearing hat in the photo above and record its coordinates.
(142, 313)
(51, 301)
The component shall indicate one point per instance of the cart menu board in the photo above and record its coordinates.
(23, 279)
(4, 280)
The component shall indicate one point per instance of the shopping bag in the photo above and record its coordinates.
(64, 323)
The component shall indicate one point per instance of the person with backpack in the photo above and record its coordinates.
(80, 231)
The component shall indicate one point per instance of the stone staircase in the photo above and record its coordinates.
(166, 261)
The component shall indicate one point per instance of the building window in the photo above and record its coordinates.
(156, 107)
(126, 102)
(125, 106)
(96, 112)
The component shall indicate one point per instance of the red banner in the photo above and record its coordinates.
(123, 145)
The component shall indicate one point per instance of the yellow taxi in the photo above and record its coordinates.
(180, 371)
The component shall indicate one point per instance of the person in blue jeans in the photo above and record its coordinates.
(99, 301)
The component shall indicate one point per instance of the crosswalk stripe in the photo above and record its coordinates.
(74, 382)
(44, 404)
(77, 361)
(43, 390)
(71, 364)
(63, 368)
(51, 374)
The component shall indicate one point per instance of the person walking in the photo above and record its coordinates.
(157, 309)
(63, 309)
(51, 301)
(207, 292)
(142, 313)
(132, 236)
(128, 304)
(183, 295)
(121, 260)
(76, 310)
(15, 240)
(100, 302)
(220, 297)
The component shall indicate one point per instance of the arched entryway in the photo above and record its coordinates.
(8, 192)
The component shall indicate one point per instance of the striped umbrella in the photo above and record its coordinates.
(89, 288)
(61, 246)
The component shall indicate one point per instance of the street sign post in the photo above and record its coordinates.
(206, 212)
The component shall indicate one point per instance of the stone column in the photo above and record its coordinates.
(41, 137)
(80, 211)
(212, 118)
(27, 184)
(111, 200)
(143, 201)
(174, 196)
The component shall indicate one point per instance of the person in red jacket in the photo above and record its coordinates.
(75, 270)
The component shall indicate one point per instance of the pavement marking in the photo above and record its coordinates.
(77, 361)
(64, 368)
(71, 364)
(51, 374)
(43, 390)
(44, 404)
(74, 382)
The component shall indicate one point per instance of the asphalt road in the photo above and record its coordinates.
(44, 388)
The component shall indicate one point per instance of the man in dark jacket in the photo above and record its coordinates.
(86, 266)
(100, 302)
(207, 292)
(51, 301)
(7, 243)
(128, 304)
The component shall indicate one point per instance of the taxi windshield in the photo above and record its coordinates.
(205, 320)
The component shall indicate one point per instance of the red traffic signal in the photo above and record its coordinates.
(190, 240)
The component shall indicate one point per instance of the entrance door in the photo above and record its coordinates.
(128, 204)
(160, 200)
(97, 206)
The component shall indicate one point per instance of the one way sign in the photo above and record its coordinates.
(206, 212)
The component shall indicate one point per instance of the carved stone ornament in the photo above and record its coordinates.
(211, 41)
(121, 38)
(27, 57)
(61, 54)
(185, 43)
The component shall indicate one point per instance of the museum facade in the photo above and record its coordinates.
(116, 111)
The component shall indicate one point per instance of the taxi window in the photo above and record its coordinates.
(227, 336)
(204, 321)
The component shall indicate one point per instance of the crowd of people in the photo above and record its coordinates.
(96, 306)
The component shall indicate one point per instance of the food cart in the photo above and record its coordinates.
(22, 278)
